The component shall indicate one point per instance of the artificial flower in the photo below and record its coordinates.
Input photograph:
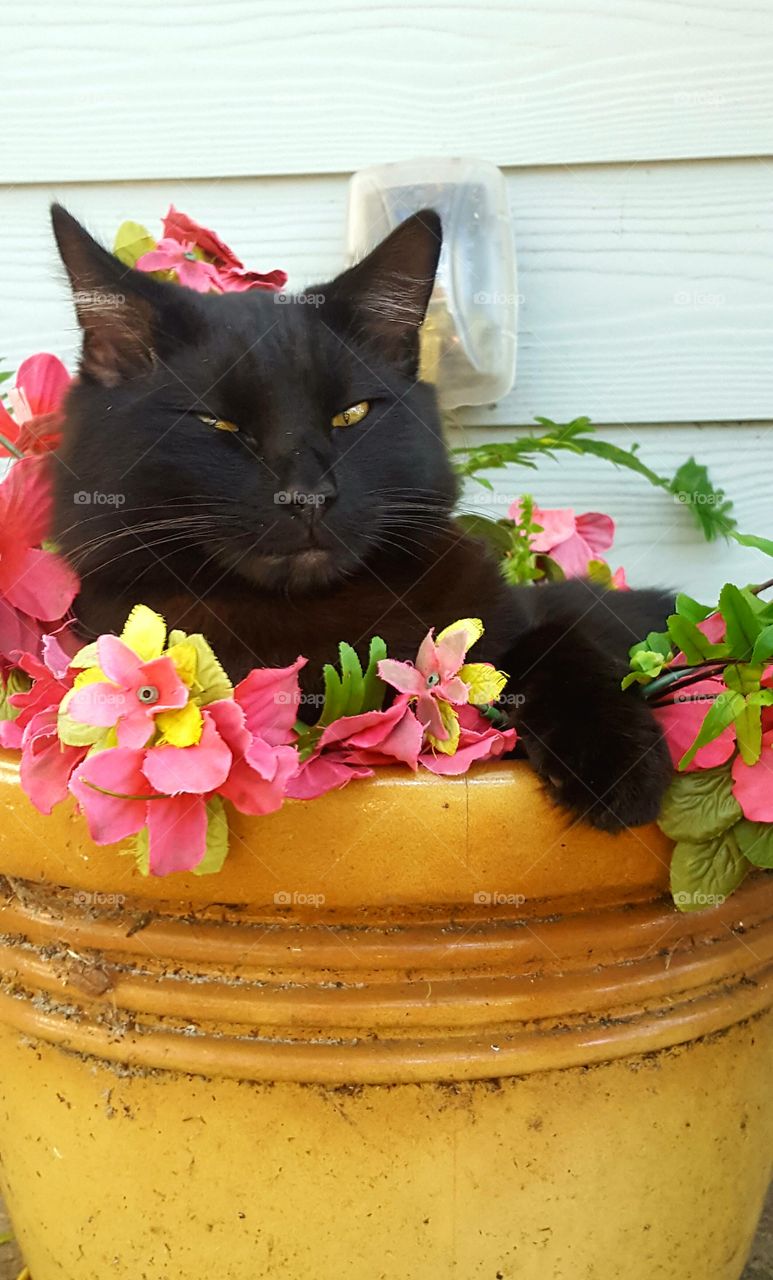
(125, 790)
(47, 679)
(35, 585)
(680, 721)
(130, 683)
(194, 273)
(572, 541)
(126, 693)
(36, 399)
(478, 740)
(753, 784)
(439, 681)
(258, 725)
(202, 261)
(352, 746)
(47, 763)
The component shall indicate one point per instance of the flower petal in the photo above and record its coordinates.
(112, 817)
(177, 833)
(753, 784)
(44, 381)
(195, 770)
(402, 676)
(44, 585)
(270, 697)
(97, 703)
(597, 531)
(144, 632)
(118, 661)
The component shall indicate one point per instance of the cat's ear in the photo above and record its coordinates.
(116, 307)
(389, 291)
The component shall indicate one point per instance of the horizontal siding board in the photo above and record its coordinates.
(99, 92)
(647, 291)
(657, 540)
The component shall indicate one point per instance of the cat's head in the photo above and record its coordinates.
(287, 441)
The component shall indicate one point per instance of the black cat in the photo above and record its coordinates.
(273, 473)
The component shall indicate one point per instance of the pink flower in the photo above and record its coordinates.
(124, 789)
(130, 695)
(572, 541)
(193, 272)
(46, 763)
(219, 270)
(433, 679)
(258, 728)
(35, 585)
(37, 399)
(753, 784)
(478, 740)
(351, 746)
(680, 722)
(51, 680)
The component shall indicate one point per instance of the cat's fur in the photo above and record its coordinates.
(290, 535)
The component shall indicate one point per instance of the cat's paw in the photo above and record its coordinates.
(609, 766)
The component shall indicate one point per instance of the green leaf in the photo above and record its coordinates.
(217, 839)
(763, 646)
(645, 666)
(334, 695)
(755, 840)
(373, 687)
(86, 657)
(351, 679)
(497, 536)
(688, 608)
(656, 642)
(211, 678)
(705, 873)
(743, 677)
(138, 847)
(748, 731)
(742, 623)
(699, 806)
(132, 240)
(722, 713)
(751, 540)
(73, 733)
(709, 507)
(760, 698)
(7, 1238)
(695, 646)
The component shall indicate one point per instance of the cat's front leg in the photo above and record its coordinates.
(599, 749)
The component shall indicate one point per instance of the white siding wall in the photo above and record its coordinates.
(636, 139)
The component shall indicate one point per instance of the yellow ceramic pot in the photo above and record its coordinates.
(424, 1028)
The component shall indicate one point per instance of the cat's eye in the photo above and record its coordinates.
(220, 424)
(351, 416)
